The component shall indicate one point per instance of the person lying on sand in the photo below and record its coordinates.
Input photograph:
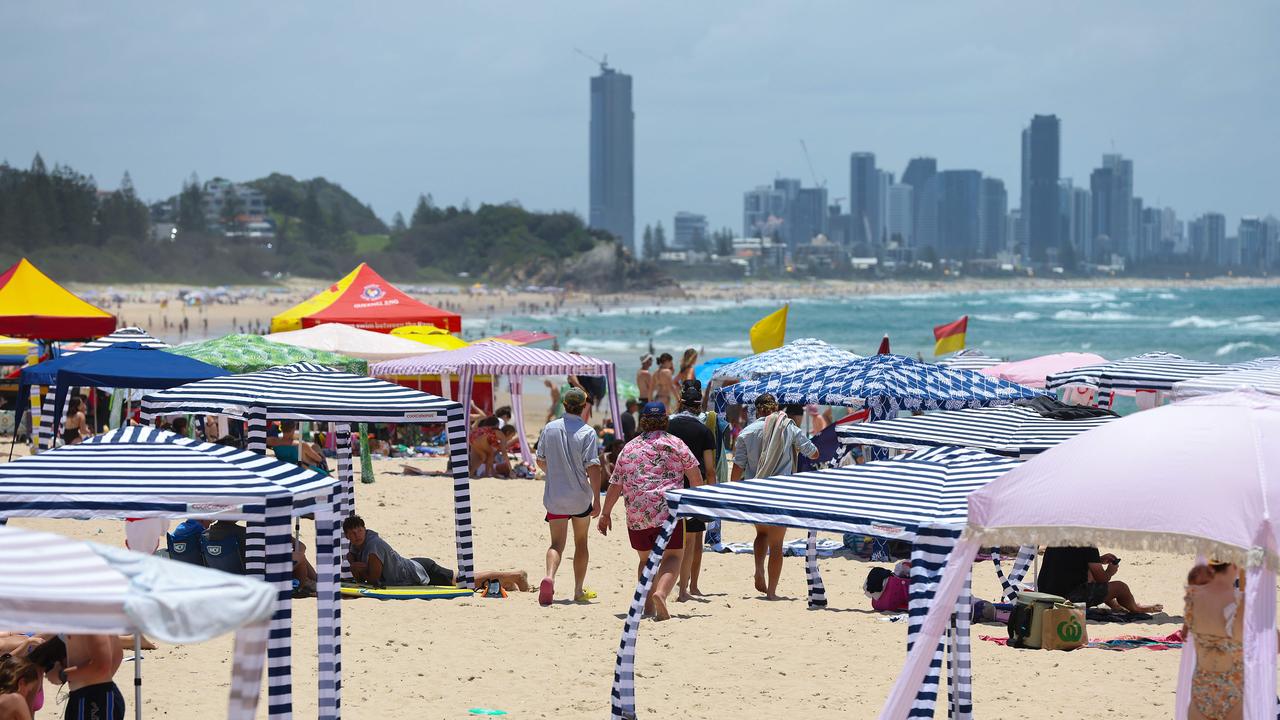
(374, 561)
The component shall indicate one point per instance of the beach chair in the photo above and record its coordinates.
(288, 453)
(187, 551)
(222, 554)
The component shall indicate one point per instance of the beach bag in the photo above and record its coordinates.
(1063, 627)
(1027, 618)
(895, 594)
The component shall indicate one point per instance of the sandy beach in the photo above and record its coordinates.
(731, 654)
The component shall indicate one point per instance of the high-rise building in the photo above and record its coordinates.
(959, 212)
(1080, 224)
(1252, 234)
(762, 212)
(1138, 249)
(807, 216)
(928, 223)
(898, 217)
(864, 199)
(918, 172)
(994, 210)
(1041, 149)
(1207, 236)
(1122, 225)
(613, 155)
(689, 231)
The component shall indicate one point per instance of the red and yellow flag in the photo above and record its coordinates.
(950, 337)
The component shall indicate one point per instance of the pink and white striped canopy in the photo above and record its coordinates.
(1033, 371)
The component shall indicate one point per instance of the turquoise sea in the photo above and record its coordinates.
(1214, 324)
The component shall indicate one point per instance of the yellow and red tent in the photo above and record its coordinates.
(33, 306)
(363, 299)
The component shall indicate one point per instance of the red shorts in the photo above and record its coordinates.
(585, 513)
(643, 540)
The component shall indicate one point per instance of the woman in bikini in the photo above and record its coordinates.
(73, 429)
(1215, 619)
(687, 362)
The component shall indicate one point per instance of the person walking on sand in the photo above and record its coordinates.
(647, 468)
(569, 455)
(765, 448)
(663, 384)
(696, 436)
(644, 378)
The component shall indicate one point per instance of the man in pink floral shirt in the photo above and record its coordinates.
(653, 463)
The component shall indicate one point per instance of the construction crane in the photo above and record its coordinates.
(809, 160)
(604, 64)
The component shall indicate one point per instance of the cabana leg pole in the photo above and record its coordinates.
(328, 607)
(623, 701)
(346, 485)
(279, 567)
(459, 467)
(817, 593)
(517, 412)
(137, 674)
(1260, 643)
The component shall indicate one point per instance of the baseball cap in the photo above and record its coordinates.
(574, 397)
(690, 394)
(653, 409)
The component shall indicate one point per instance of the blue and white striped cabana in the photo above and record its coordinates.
(795, 355)
(918, 498)
(306, 391)
(1009, 430)
(1265, 380)
(87, 588)
(1154, 371)
(970, 359)
(139, 472)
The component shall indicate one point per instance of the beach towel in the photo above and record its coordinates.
(793, 548)
(1173, 641)
(1054, 409)
(775, 441)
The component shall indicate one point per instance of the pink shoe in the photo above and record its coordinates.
(546, 590)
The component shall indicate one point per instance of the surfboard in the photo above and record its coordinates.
(406, 592)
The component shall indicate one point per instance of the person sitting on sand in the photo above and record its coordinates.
(1082, 576)
(765, 448)
(1214, 615)
(374, 561)
(486, 444)
(21, 688)
(647, 468)
(309, 454)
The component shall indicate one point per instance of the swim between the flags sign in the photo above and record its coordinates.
(950, 337)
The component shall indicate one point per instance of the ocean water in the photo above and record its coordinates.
(1213, 324)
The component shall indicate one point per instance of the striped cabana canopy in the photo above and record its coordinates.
(86, 588)
(514, 361)
(138, 472)
(1009, 430)
(1091, 375)
(919, 498)
(969, 359)
(795, 355)
(884, 384)
(121, 335)
(1265, 380)
(1162, 373)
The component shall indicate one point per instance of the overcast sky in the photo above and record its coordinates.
(488, 102)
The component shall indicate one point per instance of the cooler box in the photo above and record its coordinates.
(1027, 617)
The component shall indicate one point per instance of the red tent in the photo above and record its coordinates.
(363, 299)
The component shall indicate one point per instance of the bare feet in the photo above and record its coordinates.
(694, 590)
(683, 596)
(660, 611)
(1150, 609)
(523, 582)
(760, 584)
(772, 596)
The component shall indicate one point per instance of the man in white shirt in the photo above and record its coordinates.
(569, 454)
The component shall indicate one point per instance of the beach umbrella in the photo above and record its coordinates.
(917, 498)
(1200, 476)
(431, 335)
(366, 300)
(32, 305)
(1011, 430)
(795, 355)
(251, 353)
(86, 588)
(1265, 380)
(969, 359)
(349, 341)
(885, 384)
(705, 370)
(1033, 371)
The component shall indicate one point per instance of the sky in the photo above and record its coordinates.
(489, 102)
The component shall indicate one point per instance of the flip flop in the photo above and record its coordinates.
(586, 595)
(546, 590)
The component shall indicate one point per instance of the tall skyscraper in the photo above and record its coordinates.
(689, 231)
(898, 217)
(959, 212)
(808, 216)
(613, 155)
(918, 172)
(864, 199)
(1252, 233)
(1123, 224)
(1041, 148)
(1080, 233)
(762, 212)
(994, 211)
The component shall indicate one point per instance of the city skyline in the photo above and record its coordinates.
(500, 115)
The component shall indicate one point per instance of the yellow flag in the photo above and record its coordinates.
(770, 332)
